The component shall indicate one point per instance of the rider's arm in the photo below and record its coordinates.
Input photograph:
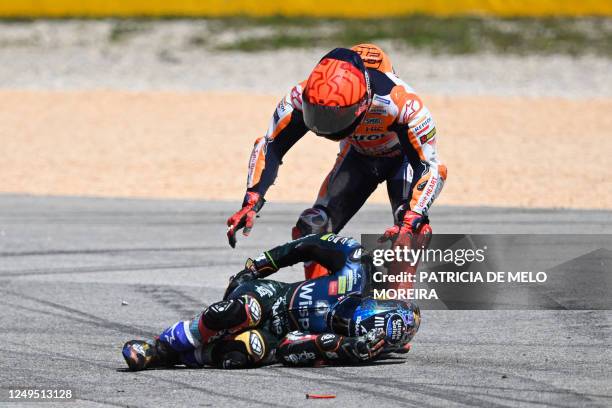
(286, 128)
(326, 249)
(314, 247)
(299, 349)
(416, 131)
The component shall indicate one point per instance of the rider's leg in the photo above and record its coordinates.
(245, 349)
(343, 192)
(189, 341)
(312, 221)
(217, 320)
(228, 316)
(240, 345)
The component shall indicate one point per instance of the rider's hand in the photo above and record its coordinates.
(241, 277)
(365, 348)
(403, 232)
(257, 268)
(245, 217)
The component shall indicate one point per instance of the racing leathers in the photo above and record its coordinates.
(320, 321)
(395, 142)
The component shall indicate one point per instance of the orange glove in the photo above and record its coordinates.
(403, 232)
(245, 217)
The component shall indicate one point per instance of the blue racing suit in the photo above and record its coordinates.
(324, 320)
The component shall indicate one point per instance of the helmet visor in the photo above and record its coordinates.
(329, 120)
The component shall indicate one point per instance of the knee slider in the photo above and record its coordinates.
(311, 221)
(252, 309)
(242, 312)
(255, 345)
(242, 350)
(223, 315)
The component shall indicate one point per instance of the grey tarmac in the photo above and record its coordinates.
(80, 276)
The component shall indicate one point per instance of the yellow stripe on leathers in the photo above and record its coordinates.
(315, 8)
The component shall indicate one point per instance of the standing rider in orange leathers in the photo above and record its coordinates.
(385, 132)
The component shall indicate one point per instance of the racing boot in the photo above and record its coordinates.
(140, 354)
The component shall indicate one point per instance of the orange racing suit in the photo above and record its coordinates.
(395, 142)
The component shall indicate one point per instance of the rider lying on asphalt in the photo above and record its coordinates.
(328, 320)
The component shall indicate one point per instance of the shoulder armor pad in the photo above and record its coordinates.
(408, 104)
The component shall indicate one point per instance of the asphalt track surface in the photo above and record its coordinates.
(68, 264)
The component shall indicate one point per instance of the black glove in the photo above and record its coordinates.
(364, 348)
(257, 268)
(238, 279)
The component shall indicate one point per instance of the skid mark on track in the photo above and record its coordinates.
(107, 403)
(117, 268)
(446, 391)
(172, 298)
(165, 380)
(595, 325)
(340, 382)
(49, 382)
(109, 251)
(559, 345)
(494, 372)
(83, 317)
(485, 388)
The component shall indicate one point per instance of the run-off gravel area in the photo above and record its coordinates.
(149, 113)
(97, 108)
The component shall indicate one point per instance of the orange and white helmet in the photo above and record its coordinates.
(337, 94)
